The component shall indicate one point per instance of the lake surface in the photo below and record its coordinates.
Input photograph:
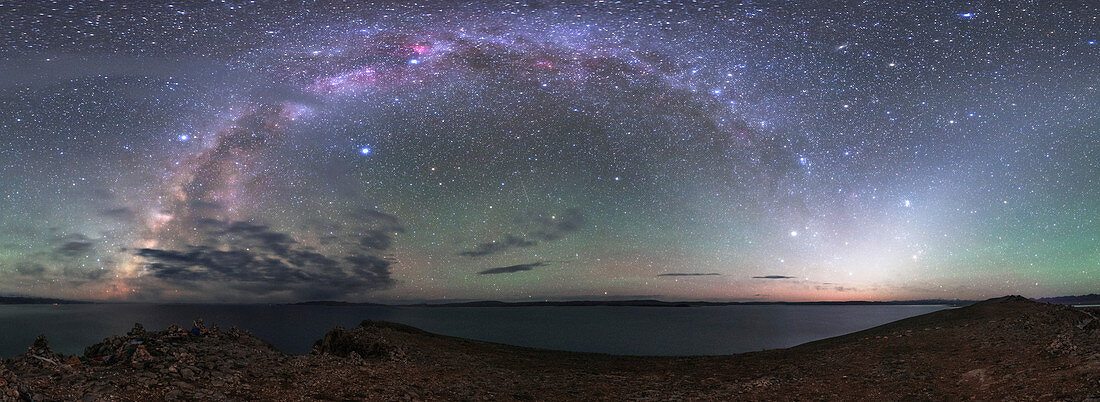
(615, 330)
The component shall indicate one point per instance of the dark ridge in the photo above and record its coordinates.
(378, 325)
(974, 313)
(1007, 299)
(576, 303)
(659, 303)
(1091, 298)
(333, 303)
(644, 303)
(38, 300)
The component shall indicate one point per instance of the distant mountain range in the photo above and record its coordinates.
(334, 303)
(646, 303)
(37, 300)
(1090, 299)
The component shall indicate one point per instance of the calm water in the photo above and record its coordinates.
(616, 330)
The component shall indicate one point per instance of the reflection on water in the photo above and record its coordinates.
(616, 330)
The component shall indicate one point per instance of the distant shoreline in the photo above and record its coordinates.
(645, 303)
(38, 300)
(1083, 300)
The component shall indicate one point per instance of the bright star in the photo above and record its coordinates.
(364, 150)
(184, 137)
(966, 15)
(414, 61)
(794, 233)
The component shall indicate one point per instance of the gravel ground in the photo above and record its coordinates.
(1003, 349)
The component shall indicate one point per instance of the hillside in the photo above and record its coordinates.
(998, 349)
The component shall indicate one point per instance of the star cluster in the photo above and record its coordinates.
(275, 151)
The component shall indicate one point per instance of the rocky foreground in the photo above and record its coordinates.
(1002, 349)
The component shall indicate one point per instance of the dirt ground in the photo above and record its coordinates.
(1002, 349)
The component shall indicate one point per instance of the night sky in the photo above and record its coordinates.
(241, 151)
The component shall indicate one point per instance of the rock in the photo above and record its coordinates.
(175, 330)
(9, 391)
(140, 355)
(40, 347)
(980, 376)
(187, 374)
(1062, 344)
(369, 339)
(138, 331)
(344, 342)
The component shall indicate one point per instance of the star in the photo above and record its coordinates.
(734, 125)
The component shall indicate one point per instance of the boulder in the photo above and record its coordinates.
(138, 331)
(40, 347)
(343, 342)
(371, 339)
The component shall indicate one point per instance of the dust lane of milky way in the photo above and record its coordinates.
(270, 152)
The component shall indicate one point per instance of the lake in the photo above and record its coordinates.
(617, 330)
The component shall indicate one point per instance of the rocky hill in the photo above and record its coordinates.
(1007, 348)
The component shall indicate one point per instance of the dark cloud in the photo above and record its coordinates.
(77, 275)
(255, 259)
(306, 273)
(539, 227)
(509, 242)
(365, 229)
(246, 234)
(376, 229)
(550, 228)
(121, 213)
(30, 268)
(691, 274)
(513, 268)
(260, 235)
(775, 277)
(78, 246)
(379, 220)
(836, 288)
(100, 194)
(376, 240)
